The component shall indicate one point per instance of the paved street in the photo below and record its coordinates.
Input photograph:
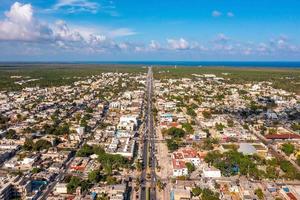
(148, 158)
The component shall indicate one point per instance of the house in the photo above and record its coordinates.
(190, 155)
(169, 105)
(166, 117)
(179, 168)
(61, 188)
(125, 125)
(180, 193)
(211, 173)
(128, 119)
(115, 192)
(181, 157)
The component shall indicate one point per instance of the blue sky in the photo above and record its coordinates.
(95, 30)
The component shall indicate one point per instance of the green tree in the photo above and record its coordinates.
(188, 128)
(85, 151)
(36, 170)
(207, 114)
(138, 166)
(259, 193)
(42, 144)
(3, 122)
(288, 148)
(295, 126)
(89, 110)
(289, 169)
(190, 111)
(176, 132)
(205, 194)
(11, 134)
(246, 126)
(94, 176)
(219, 126)
(28, 144)
(160, 185)
(137, 184)
(196, 191)
(78, 117)
(271, 172)
(208, 143)
(208, 194)
(172, 145)
(110, 180)
(190, 167)
(73, 184)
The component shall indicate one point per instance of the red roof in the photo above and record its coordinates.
(185, 153)
(291, 196)
(174, 124)
(189, 153)
(177, 164)
(283, 136)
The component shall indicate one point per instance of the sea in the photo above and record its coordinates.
(273, 64)
(246, 64)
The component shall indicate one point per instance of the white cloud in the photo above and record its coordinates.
(21, 30)
(154, 45)
(73, 6)
(221, 38)
(19, 24)
(263, 47)
(62, 32)
(20, 13)
(230, 14)
(247, 51)
(216, 13)
(121, 32)
(180, 44)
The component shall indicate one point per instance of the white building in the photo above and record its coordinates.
(128, 119)
(179, 168)
(61, 188)
(211, 173)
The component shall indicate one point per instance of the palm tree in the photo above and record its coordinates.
(137, 184)
(160, 185)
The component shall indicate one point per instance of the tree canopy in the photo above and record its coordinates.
(108, 161)
(172, 145)
(176, 132)
(190, 167)
(288, 148)
(205, 194)
(11, 134)
(188, 128)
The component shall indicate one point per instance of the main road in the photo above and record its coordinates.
(148, 159)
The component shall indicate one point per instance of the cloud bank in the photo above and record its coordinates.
(22, 33)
